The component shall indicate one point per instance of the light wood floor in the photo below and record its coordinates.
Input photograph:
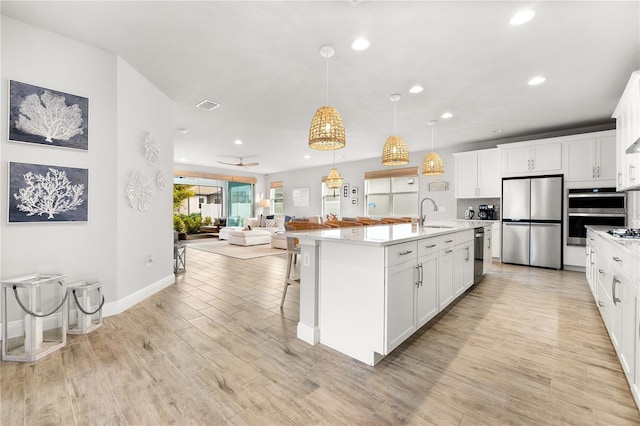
(526, 346)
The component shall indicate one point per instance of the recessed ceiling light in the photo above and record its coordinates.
(307, 156)
(416, 89)
(238, 142)
(446, 115)
(183, 131)
(522, 17)
(208, 105)
(360, 44)
(496, 131)
(537, 80)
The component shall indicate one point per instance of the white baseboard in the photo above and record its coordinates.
(119, 306)
(16, 328)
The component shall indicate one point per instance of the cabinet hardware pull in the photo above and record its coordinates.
(601, 303)
(448, 251)
(431, 245)
(402, 253)
(448, 241)
(593, 172)
(598, 171)
(533, 164)
(619, 178)
(421, 274)
(613, 289)
(617, 259)
(417, 284)
(468, 253)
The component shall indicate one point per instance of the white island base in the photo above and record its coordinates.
(365, 290)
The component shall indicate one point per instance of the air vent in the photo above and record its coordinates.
(208, 105)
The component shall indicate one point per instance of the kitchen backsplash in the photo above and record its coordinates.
(463, 203)
(633, 209)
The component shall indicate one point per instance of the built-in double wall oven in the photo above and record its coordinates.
(594, 206)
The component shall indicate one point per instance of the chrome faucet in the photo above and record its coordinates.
(435, 209)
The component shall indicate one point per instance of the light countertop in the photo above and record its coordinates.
(631, 246)
(384, 235)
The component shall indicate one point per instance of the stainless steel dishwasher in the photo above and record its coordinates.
(478, 249)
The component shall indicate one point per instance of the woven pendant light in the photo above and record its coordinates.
(327, 131)
(395, 151)
(432, 164)
(334, 180)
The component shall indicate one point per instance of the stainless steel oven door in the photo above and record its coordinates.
(577, 233)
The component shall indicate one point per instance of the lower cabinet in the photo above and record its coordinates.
(400, 299)
(445, 277)
(427, 289)
(463, 267)
(422, 278)
(618, 299)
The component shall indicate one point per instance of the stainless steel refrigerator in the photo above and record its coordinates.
(532, 221)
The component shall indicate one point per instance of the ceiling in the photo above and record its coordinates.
(260, 60)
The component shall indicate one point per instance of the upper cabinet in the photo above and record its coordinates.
(478, 174)
(627, 115)
(591, 159)
(530, 158)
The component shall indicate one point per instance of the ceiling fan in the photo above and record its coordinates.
(240, 164)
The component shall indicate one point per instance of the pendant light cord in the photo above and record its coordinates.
(395, 117)
(327, 80)
(433, 125)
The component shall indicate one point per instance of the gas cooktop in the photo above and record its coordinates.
(625, 233)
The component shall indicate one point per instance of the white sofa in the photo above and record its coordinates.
(249, 238)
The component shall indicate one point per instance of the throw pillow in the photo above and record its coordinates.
(271, 216)
(288, 218)
(270, 223)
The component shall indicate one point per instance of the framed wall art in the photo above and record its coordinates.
(41, 193)
(47, 117)
(300, 196)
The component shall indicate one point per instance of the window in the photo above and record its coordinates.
(391, 196)
(240, 202)
(330, 201)
(277, 200)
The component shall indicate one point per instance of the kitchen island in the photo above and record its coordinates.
(364, 290)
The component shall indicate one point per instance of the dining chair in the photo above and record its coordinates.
(293, 250)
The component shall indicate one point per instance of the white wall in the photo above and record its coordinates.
(353, 174)
(80, 250)
(143, 235)
(123, 107)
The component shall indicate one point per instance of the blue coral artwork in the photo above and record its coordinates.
(42, 193)
(47, 117)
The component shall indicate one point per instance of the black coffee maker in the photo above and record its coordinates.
(483, 213)
(491, 212)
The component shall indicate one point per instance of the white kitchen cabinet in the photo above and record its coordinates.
(478, 174)
(488, 248)
(427, 290)
(463, 269)
(627, 115)
(527, 158)
(590, 261)
(496, 240)
(591, 159)
(614, 273)
(400, 299)
(445, 276)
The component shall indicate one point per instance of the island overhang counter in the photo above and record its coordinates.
(364, 290)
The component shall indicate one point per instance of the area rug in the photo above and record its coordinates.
(238, 252)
